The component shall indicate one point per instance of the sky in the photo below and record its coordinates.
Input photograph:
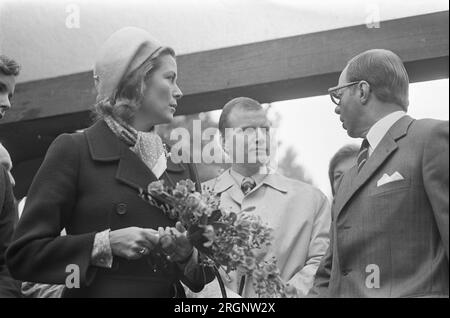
(311, 127)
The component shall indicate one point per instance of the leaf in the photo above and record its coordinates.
(215, 216)
(249, 209)
(195, 235)
(220, 225)
(233, 217)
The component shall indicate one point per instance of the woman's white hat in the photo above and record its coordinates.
(123, 52)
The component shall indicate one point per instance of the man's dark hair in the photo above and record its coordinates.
(236, 103)
(385, 73)
(8, 66)
(342, 154)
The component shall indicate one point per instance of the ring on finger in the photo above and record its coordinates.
(143, 250)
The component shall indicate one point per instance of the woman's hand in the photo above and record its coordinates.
(133, 242)
(175, 243)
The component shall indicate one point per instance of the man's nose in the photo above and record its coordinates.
(337, 110)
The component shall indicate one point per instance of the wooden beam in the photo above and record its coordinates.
(209, 78)
(281, 69)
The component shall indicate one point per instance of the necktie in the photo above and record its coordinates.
(363, 154)
(247, 185)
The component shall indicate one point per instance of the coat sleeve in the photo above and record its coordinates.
(323, 274)
(197, 276)
(8, 218)
(435, 178)
(304, 279)
(38, 253)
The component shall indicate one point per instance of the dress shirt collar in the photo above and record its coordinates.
(269, 177)
(381, 127)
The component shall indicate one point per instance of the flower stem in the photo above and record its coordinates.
(221, 284)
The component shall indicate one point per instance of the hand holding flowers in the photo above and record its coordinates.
(222, 238)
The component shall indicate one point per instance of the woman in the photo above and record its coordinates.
(89, 185)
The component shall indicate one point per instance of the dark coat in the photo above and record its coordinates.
(87, 183)
(395, 234)
(8, 219)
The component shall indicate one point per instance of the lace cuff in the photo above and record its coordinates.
(101, 253)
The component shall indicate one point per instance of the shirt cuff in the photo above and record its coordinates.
(101, 253)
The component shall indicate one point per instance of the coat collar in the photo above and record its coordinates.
(225, 181)
(387, 146)
(105, 146)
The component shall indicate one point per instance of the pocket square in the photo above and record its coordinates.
(396, 176)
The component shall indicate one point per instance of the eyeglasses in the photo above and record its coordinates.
(336, 92)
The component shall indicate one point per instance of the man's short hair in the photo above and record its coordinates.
(236, 103)
(8, 66)
(346, 152)
(385, 73)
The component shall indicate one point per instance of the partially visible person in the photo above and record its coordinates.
(390, 228)
(342, 161)
(5, 161)
(9, 69)
(35, 290)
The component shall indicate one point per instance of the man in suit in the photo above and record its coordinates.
(9, 69)
(390, 230)
(298, 213)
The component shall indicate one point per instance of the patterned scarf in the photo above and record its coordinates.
(148, 146)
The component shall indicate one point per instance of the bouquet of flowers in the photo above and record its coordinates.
(224, 239)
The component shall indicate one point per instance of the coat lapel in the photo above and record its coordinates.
(105, 146)
(133, 171)
(226, 184)
(387, 146)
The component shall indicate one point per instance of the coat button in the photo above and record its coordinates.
(121, 208)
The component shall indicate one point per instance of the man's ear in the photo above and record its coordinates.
(223, 143)
(364, 92)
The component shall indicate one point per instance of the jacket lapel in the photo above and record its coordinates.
(105, 146)
(386, 147)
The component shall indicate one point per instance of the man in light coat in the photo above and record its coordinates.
(298, 213)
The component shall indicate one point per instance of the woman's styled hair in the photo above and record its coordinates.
(127, 98)
(385, 73)
(346, 152)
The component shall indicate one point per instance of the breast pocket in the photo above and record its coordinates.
(391, 187)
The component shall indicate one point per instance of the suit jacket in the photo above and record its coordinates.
(300, 217)
(8, 218)
(392, 239)
(87, 183)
